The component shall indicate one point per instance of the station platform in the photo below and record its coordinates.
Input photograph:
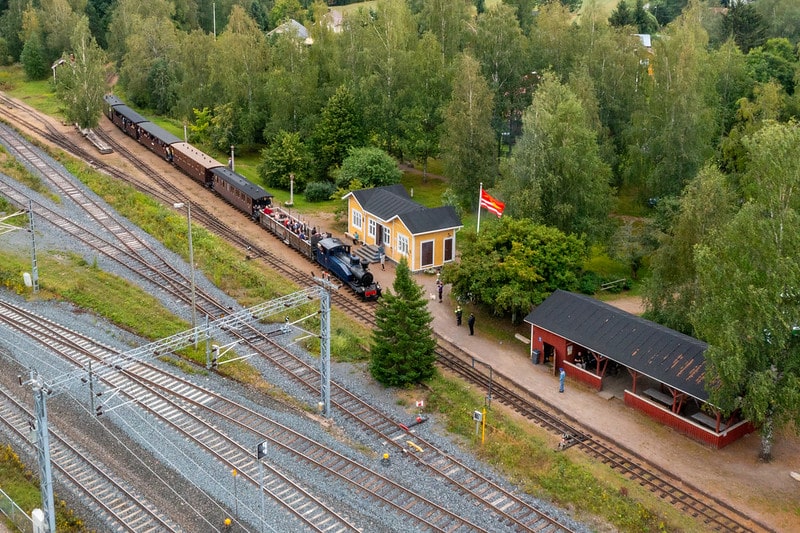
(733, 474)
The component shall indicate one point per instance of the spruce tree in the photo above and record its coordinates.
(402, 342)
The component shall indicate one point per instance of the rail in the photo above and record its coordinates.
(611, 284)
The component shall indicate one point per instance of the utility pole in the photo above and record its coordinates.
(188, 205)
(41, 440)
(34, 264)
(325, 344)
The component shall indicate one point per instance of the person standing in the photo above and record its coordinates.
(440, 286)
(471, 324)
(458, 315)
(562, 376)
(382, 253)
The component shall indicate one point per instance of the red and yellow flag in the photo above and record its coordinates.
(493, 205)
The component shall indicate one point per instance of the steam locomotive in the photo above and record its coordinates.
(330, 252)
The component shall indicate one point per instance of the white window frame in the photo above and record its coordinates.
(387, 236)
(402, 244)
(371, 228)
(357, 219)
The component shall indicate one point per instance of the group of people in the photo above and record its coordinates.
(470, 320)
(292, 224)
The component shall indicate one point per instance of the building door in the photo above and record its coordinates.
(448, 249)
(426, 254)
(379, 235)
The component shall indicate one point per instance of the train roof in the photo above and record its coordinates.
(241, 183)
(113, 100)
(129, 114)
(329, 243)
(156, 131)
(190, 152)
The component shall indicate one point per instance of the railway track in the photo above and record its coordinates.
(197, 413)
(110, 498)
(122, 245)
(716, 514)
(165, 192)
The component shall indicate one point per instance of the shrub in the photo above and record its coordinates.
(319, 191)
(589, 283)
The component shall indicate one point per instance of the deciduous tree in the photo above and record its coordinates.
(557, 176)
(673, 136)
(707, 203)
(748, 304)
(340, 128)
(500, 47)
(402, 341)
(515, 264)
(285, 155)
(81, 81)
(371, 166)
(422, 117)
(468, 146)
(384, 84)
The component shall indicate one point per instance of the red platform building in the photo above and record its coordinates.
(595, 342)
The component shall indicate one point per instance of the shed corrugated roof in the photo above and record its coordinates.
(392, 201)
(252, 190)
(661, 353)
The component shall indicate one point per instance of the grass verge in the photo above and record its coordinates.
(20, 484)
(527, 455)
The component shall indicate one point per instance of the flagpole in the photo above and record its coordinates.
(480, 195)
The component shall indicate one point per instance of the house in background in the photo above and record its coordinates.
(388, 216)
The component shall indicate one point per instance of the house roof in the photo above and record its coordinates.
(291, 27)
(393, 201)
(649, 348)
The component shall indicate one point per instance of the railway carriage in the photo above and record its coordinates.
(279, 223)
(239, 191)
(127, 120)
(157, 139)
(194, 163)
(110, 102)
(331, 253)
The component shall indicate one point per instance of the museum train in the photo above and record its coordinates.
(329, 252)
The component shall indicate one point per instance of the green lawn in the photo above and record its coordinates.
(38, 94)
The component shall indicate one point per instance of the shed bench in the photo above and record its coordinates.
(706, 420)
(522, 338)
(660, 397)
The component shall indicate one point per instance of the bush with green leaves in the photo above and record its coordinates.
(319, 191)
(372, 166)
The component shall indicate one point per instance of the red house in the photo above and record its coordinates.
(589, 338)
